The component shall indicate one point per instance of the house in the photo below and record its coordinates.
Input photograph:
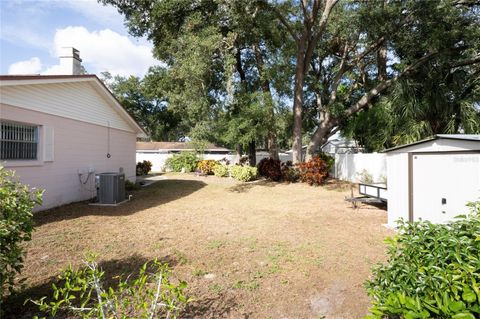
(338, 144)
(58, 131)
(433, 179)
(158, 152)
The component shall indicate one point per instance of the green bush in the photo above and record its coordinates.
(131, 186)
(143, 168)
(16, 225)
(151, 294)
(220, 170)
(243, 173)
(433, 271)
(289, 172)
(183, 161)
(329, 160)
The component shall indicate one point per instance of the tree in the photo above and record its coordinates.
(435, 100)
(219, 57)
(307, 28)
(145, 100)
(350, 52)
(343, 56)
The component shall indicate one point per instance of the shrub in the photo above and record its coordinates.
(313, 172)
(270, 168)
(433, 271)
(329, 160)
(150, 295)
(289, 172)
(143, 168)
(206, 166)
(243, 173)
(130, 186)
(183, 161)
(16, 225)
(220, 170)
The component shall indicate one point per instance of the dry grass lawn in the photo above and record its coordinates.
(254, 250)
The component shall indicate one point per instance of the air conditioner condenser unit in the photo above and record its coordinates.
(110, 188)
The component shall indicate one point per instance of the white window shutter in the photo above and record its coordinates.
(48, 142)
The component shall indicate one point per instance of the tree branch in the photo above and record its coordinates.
(470, 61)
(282, 19)
(312, 44)
(338, 76)
(382, 86)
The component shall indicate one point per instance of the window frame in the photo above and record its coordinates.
(36, 141)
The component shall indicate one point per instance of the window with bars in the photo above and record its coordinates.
(18, 141)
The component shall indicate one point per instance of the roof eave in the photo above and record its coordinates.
(10, 80)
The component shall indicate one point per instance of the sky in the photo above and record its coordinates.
(33, 31)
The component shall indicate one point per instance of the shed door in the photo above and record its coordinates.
(443, 183)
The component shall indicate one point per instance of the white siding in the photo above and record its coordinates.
(397, 185)
(79, 101)
(78, 147)
(452, 177)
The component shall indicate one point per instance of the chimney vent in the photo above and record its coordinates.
(70, 61)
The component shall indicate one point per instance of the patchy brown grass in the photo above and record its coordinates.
(252, 250)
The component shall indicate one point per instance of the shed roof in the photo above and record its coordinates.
(458, 137)
(175, 146)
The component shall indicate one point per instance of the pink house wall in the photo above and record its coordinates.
(78, 147)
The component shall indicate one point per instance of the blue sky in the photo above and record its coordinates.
(32, 32)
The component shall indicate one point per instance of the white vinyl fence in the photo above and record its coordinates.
(351, 167)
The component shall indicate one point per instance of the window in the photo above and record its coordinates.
(18, 141)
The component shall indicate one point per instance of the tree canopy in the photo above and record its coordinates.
(244, 72)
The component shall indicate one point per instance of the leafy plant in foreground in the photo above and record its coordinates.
(433, 271)
(149, 295)
(16, 225)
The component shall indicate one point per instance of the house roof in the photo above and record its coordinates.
(175, 146)
(460, 137)
(10, 80)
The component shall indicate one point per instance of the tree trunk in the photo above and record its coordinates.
(306, 44)
(239, 151)
(298, 103)
(327, 123)
(382, 63)
(252, 156)
(268, 101)
(382, 57)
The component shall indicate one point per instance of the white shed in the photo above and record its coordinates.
(433, 179)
